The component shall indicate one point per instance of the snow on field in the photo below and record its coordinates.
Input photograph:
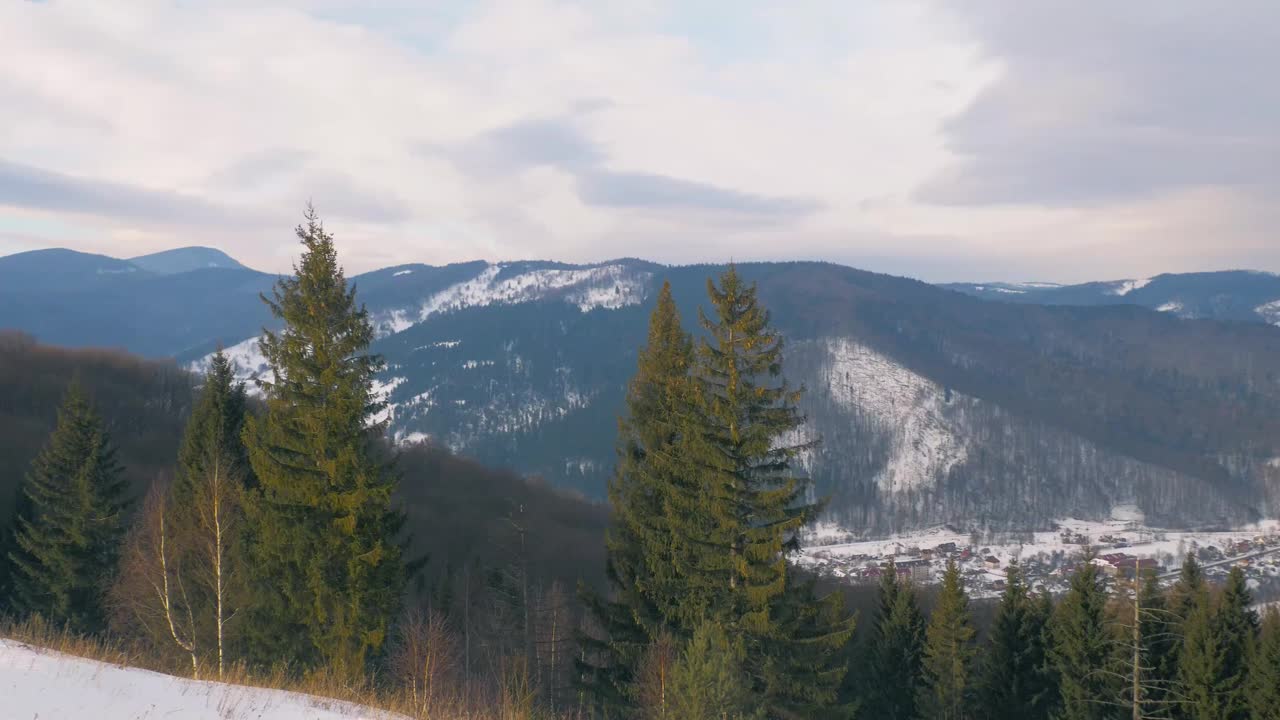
(36, 684)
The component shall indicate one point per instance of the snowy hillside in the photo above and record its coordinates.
(929, 406)
(37, 684)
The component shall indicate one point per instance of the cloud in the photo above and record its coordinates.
(1102, 107)
(1043, 139)
(559, 143)
(32, 188)
(646, 190)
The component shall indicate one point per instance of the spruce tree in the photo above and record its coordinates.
(1236, 625)
(740, 506)
(1263, 687)
(946, 692)
(707, 680)
(1201, 664)
(1013, 683)
(214, 432)
(1082, 648)
(67, 535)
(639, 564)
(1159, 643)
(896, 652)
(327, 568)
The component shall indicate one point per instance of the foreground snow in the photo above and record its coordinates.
(38, 683)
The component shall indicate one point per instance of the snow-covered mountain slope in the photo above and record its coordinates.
(36, 683)
(930, 405)
(605, 286)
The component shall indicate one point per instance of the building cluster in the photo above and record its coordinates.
(1049, 567)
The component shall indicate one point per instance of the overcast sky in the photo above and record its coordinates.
(942, 139)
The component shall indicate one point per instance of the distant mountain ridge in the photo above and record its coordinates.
(933, 405)
(180, 260)
(1235, 295)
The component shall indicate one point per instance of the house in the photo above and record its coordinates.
(946, 547)
(918, 571)
(991, 562)
(1130, 565)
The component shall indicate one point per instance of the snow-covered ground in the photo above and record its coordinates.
(836, 552)
(38, 684)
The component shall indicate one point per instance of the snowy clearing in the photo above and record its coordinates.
(39, 683)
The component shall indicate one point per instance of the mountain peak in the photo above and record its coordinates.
(185, 259)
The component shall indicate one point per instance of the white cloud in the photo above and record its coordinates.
(436, 132)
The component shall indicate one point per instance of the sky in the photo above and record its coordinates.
(941, 139)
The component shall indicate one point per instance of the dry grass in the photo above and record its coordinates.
(511, 700)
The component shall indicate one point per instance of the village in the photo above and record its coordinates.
(1047, 558)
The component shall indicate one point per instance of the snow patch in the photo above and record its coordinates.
(398, 273)
(247, 362)
(924, 443)
(606, 286)
(39, 683)
(1171, 307)
(1010, 291)
(1124, 287)
(1269, 312)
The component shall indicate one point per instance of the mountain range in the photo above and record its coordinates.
(1000, 404)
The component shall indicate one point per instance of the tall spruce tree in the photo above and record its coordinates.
(639, 564)
(895, 653)
(740, 508)
(69, 528)
(1082, 648)
(1236, 625)
(1013, 683)
(947, 690)
(328, 574)
(1263, 687)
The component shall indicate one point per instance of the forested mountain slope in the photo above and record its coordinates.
(933, 405)
(459, 511)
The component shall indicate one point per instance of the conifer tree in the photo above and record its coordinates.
(707, 680)
(1014, 683)
(639, 563)
(327, 568)
(896, 652)
(68, 532)
(1159, 643)
(1263, 688)
(1201, 662)
(1082, 648)
(947, 691)
(1236, 625)
(738, 510)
